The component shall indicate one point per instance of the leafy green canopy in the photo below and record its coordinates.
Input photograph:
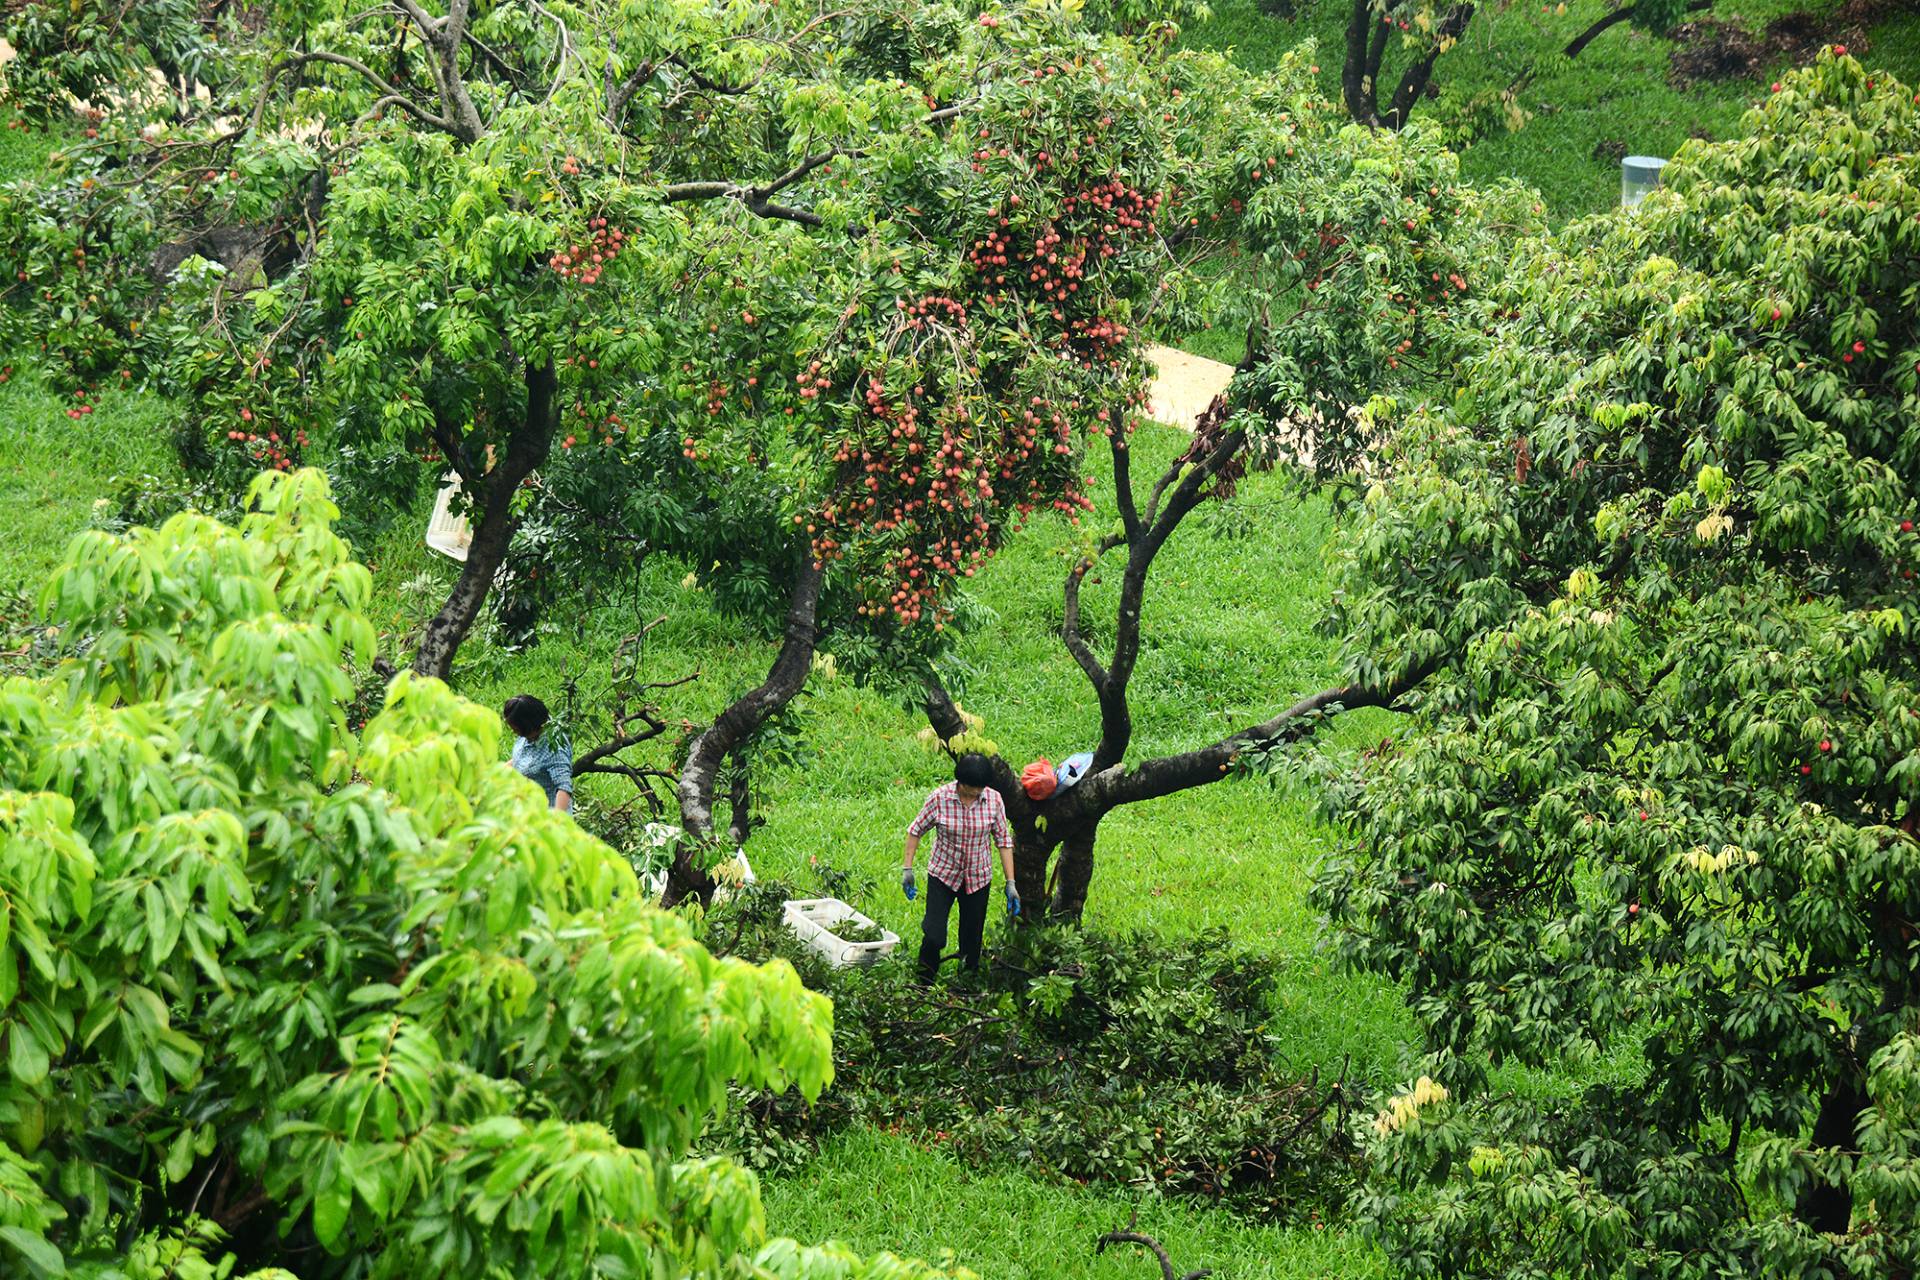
(1658, 801)
(267, 983)
(767, 280)
(889, 401)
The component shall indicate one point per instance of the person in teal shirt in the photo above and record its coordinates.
(546, 758)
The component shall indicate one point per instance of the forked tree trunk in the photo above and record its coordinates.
(493, 520)
(1370, 34)
(1069, 821)
(1032, 851)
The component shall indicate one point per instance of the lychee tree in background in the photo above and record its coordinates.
(359, 239)
(1653, 823)
(275, 995)
(151, 54)
(1392, 47)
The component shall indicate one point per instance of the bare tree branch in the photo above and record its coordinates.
(1167, 775)
(1622, 14)
(949, 112)
(758, 199)
(413, 109)
(1131, 1236)
(806, 167)
(390, 95)
(1070, 617)
(567, 51)
(499, 63)
(621, 94)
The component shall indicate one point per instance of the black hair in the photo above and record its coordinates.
(972, 770)
(526, 715)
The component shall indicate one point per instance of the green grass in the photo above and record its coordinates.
(874, 1192)
(53, 468)
(1616, 91)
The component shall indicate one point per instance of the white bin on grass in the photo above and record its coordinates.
(814, 921)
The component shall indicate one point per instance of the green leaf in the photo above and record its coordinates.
(39, 1254)
(26, 1059)
(330, 1206)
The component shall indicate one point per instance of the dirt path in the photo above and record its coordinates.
(1184, 386)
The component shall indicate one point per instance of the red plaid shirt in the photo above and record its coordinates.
(959, 856)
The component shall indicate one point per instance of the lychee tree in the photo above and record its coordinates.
(155, 52)
(855, 443)
(1357, 249)
(456, 231)
(1652, 824)
(279, 998)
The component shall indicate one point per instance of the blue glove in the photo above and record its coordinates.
(906, 883)
(1013, 901)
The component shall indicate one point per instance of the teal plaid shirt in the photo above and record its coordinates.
(548, 762)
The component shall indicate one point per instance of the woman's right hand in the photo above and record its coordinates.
(906, 883)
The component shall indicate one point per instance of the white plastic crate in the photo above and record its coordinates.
(813, 921)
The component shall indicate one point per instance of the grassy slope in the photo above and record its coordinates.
(880, 1192)
(1617, 90)
(52, 468)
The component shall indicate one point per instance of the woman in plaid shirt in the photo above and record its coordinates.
(545, 757)
(966, 814)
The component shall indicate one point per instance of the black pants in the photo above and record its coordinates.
(933, 929)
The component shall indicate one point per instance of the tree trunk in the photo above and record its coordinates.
(1825, 1206)
(494, 522)
(1366, 45)
(733, 727)
(1368, 35)
(1074, 874)
(740, 800)
(1414, 81)
(1032, 850)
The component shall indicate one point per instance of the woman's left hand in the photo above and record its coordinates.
(1013, 901)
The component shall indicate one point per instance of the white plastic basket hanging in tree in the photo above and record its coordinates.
(448, 533)
(735, 873)
(815, 921)
(729, 876)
